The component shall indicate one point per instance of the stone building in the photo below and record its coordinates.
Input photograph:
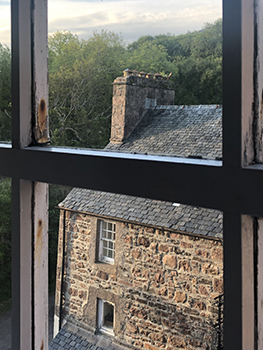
(141, 271)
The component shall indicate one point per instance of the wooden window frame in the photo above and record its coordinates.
(102, 257)
(101, 327)
(235, 184)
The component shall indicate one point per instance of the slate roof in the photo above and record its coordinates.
(185, 131)
(176, 216)
(72, 337)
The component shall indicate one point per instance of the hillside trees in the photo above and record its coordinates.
(196, 59)
(5, 93)
(81, 73)
(80, 87)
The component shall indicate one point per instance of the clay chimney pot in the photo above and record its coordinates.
(127, 72)
(149, 75)
(142, 74)
(158, 76)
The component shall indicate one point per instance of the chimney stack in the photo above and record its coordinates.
(133, 94)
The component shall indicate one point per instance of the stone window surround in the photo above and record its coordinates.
(94, 245)
(90, 310)
(101, 327)
(102, 257)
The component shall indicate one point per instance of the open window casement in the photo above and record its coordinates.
(105, 317)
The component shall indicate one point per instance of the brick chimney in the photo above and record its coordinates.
(133, 94)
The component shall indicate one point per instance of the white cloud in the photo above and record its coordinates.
(5, 22)
(132, 18)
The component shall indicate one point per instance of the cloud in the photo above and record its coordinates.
(5, 27)
(5, 36)
(131, 19)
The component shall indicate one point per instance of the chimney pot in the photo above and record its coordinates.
(127, 72)
(142, 74)
(158, 76)
(149, 75)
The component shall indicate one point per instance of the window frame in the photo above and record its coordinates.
(101, 327)
(103, 258)
(235, 184)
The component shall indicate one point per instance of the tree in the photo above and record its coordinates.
(149, 57)
(5, 93)
(80, 88)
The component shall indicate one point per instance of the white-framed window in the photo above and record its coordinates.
(106, 317)
(107, 241)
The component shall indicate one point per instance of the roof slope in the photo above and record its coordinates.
(175, 216)
(186, 131)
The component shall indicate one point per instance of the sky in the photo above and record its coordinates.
(130, 18)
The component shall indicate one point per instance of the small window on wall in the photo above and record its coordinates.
(107, 242)
(105, 316)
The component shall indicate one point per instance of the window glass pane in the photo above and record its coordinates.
(5, 72)
(108, 314)
(182, 242)
(167, 250)
(87, 53)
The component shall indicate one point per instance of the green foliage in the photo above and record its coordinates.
(80, 88)
(5, 93)
(195, 59)
(149, 57)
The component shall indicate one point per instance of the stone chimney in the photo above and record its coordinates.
(133, 94)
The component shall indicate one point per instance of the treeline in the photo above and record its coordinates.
(80, 94)
(81, 73)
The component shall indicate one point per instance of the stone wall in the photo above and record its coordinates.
(162, 283)
(132, 95)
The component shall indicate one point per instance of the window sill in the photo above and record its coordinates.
(107, 267)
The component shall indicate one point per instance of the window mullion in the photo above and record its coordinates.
(29, 208)
(238, 82)
(239, 120)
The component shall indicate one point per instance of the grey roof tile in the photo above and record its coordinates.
(184, 131)
(187, 131)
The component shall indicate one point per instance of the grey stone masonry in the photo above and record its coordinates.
(132, 95)
(72, 337)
